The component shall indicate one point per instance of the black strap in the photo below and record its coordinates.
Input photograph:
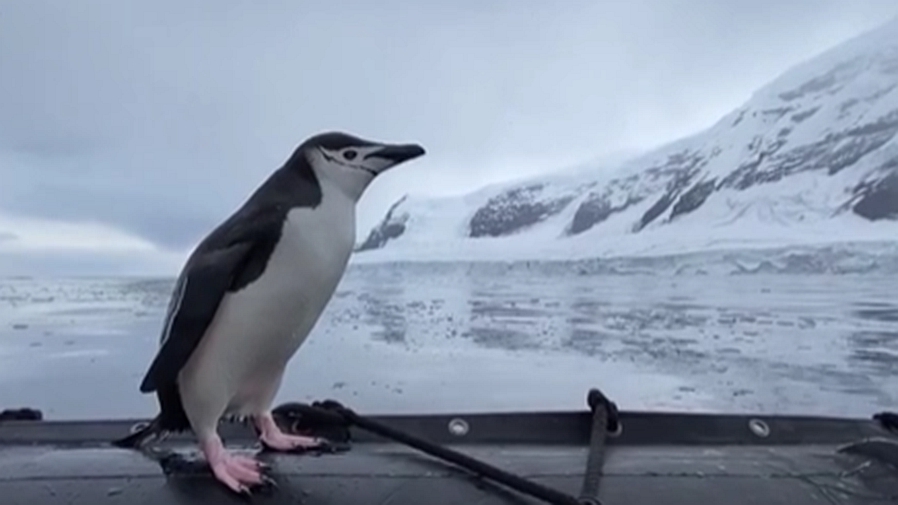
(605, 419)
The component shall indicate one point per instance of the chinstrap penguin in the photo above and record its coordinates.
(251, 292)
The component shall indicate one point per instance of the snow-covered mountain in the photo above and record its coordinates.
(811, 158)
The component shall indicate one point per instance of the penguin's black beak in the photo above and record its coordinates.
(397, 153)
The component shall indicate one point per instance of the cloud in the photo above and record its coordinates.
(30, 246)
(159, 118)
(58, 263)
(32, 234)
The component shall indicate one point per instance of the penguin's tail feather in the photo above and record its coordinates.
(136, 440)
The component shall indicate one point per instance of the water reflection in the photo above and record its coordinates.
(875, 351)
(403, 336)
(744, 334)
(877, 311)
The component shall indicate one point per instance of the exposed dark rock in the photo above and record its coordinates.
(682, 178)
(514, 210)
(776, 113)
(679, 184)
(389, 228)
(693, 199)
(592, 211)
(677, 171)
(828, 81)
(879, 201)
(833, 153)
(596, 209)
(846, 106)
(879, 94)
(756, 142)
(656, 210)
(853, 150)
(862, 140)
(681, 166)
(747, 174)
(801, 116)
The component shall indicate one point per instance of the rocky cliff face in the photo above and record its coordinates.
(392, 226)
(817, 144)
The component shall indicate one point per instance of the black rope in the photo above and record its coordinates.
(604, 420)
(511, 480)
(330, 414)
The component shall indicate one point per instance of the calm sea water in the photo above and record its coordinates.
(465, 337)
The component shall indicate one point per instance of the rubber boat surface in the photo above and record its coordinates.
(596, 455)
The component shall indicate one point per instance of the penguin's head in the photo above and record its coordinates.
(351, 163)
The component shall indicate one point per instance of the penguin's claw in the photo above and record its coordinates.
(236, 475)
(236, 472)
(268, 481)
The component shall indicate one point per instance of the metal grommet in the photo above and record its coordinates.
(458, 427)
(759, 427)
(139, 426)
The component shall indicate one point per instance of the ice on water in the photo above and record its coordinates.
(753, 336)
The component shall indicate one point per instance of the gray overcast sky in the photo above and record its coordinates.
(144, 124)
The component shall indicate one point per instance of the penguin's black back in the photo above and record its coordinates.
(233, 256)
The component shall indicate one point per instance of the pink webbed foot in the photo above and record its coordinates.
(237, 472)
(273, 438)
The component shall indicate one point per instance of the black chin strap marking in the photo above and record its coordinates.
(333, 159)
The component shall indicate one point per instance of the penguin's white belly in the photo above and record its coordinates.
(258, 329)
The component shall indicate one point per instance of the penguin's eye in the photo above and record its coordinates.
(349, 154)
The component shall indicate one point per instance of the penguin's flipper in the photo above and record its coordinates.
(231, 257)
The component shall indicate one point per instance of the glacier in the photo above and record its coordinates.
(810, 160)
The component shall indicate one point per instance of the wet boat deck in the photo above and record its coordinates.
(659, 458)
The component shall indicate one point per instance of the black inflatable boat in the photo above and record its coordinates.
(592, 456)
